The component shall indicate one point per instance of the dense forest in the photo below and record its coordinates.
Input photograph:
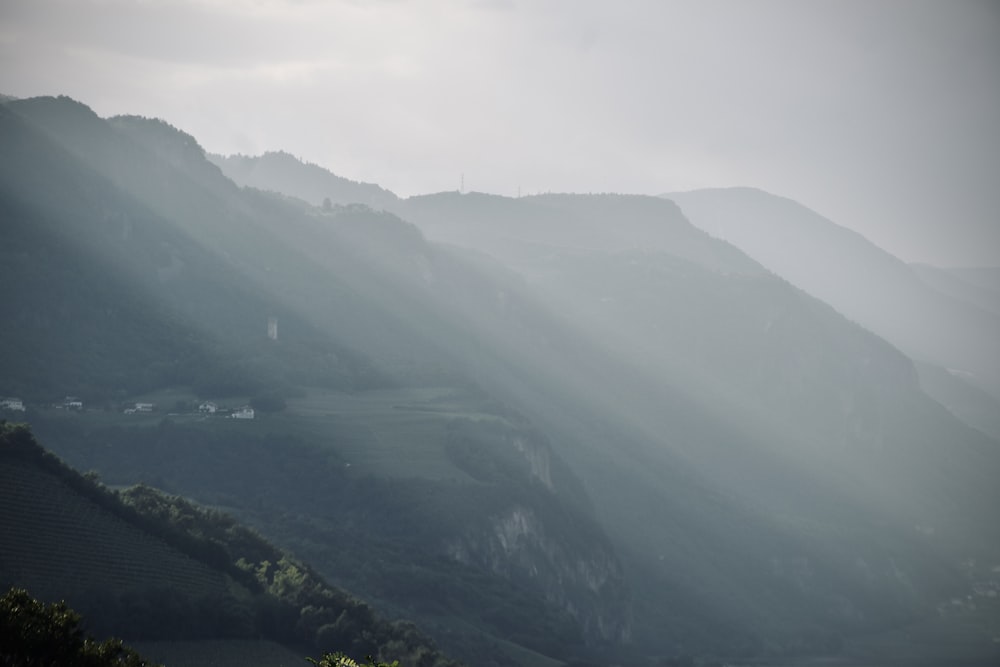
(36, 634)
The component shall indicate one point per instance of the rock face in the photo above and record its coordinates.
(538, 539)
(538, 459)
(587, 584)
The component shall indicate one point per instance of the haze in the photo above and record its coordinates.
(508, 334)
(879, 115)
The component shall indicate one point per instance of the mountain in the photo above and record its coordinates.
(974, 406)
(740, 392)
(856, 277)
(215, 267)
(548, 429)
(983, 276)
(649, 351)
(284, 173)
(977, 286)
(956, 390)
(141, 301)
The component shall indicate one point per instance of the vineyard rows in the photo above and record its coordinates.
(56, 543)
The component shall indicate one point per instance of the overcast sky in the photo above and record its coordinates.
(882, 116)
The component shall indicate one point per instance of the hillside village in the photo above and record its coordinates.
(12, 404)
(73, 403)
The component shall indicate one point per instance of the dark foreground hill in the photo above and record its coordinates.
(144, 566)
(66, 538)
(34, 633)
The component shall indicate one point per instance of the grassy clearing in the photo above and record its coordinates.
(398, 433)
(395, 433)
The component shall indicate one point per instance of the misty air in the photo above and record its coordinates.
(499, 333)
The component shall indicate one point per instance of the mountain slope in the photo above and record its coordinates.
(284, 173)
(529, 229)
(60, 543)
(360, 296)
(729, 383)
(597, 432)
(140, 302)
(977, 286)
(854, 276)
(144, 566)
(674, 373)
(974, 406)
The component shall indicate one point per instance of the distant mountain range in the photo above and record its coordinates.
(956, 327)
(558, 429)
(977, 286)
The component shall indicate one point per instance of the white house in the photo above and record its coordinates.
(73, 403)
(12, 403)
(208, 408)
(144, 407)
(246, 412)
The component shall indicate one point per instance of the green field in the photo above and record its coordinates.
(388, 432)
(394, 433)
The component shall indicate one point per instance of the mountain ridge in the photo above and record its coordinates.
(282, 172)
(861, 280)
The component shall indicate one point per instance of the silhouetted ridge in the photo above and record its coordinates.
(859, 279)
(282, 172)
(175, 145)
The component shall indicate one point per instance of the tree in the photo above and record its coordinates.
(34, 634)
(341, 660)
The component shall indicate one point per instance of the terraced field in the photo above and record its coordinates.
(58, 544)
